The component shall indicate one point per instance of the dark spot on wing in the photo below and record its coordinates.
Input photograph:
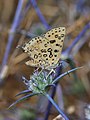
(50, 55)
(52, 41)
(43, 50)
(61, 40)
(48, 35)
(52, 59)
(44, 55)
(59, 37)
(31, 50)
(39, 55)
(49, 49)
(56, 50)
(56, 36)
(39, 41)
(55, 55)
(60, 45)
(57, 44)
(35, 56)
(62, 35)
(45, 45)
(39, 60)
(46, 58)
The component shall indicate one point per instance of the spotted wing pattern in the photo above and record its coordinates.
(45, 50)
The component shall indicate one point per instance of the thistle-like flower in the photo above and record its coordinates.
(38, 82)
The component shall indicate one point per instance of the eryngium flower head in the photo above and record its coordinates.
(38, 82)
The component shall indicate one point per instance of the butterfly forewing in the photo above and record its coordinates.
(56, 38)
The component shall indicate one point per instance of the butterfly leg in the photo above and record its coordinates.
(36, 70)
(41, 71)
(44, 72)
(51, 71)
(25, 80)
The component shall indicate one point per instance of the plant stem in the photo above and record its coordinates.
(49, 103)
(39, 13)
(58, 72)
(75, 41)
(13, 28)
(56, 106)
(66, 73)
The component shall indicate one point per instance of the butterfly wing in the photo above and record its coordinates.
(45, 50)
(37, 49)
(56, 38)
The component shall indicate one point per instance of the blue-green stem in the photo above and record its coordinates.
(66, 73)
(56, 106)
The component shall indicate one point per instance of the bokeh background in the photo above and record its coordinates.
(18, 17)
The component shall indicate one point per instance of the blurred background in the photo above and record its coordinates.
(35, 17)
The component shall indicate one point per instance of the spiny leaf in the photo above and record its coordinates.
(22, 98)
(22, 92)
(66, 73)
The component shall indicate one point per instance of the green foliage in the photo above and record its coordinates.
(27, 115)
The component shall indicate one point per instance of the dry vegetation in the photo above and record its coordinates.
(76, 93)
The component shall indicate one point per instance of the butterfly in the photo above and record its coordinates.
(45, 50)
